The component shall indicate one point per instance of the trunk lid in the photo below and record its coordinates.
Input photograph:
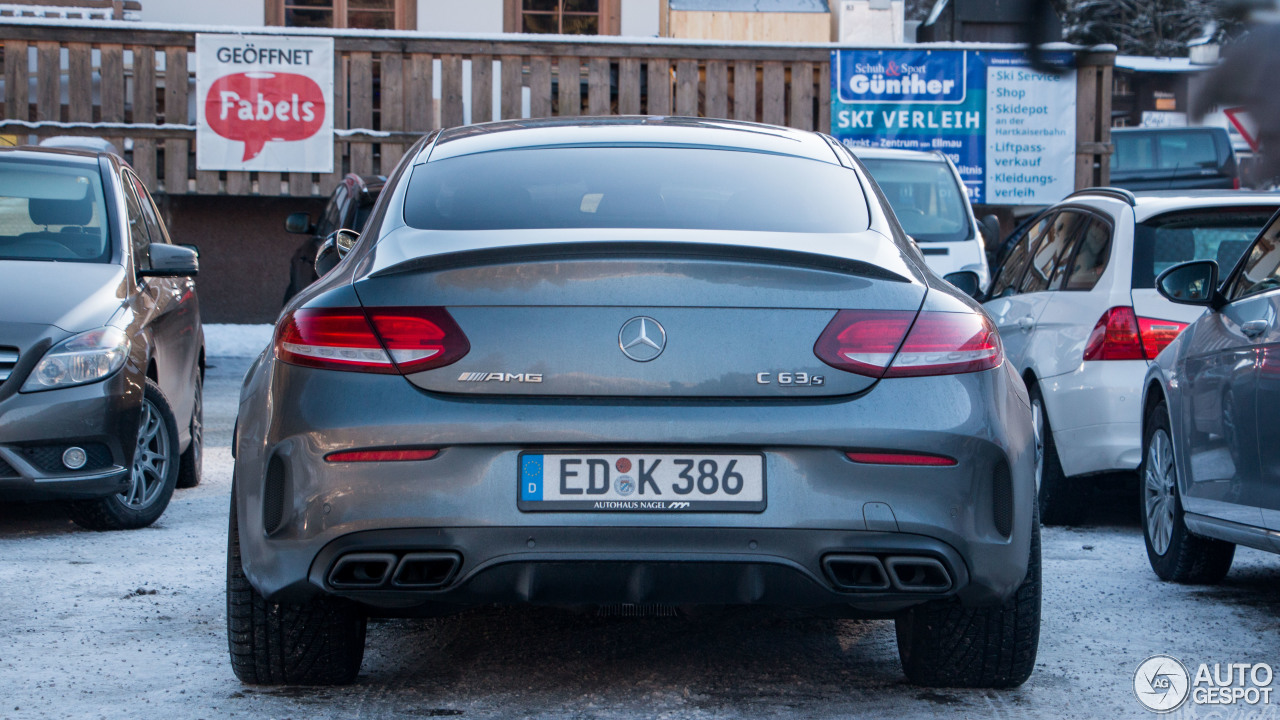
(653, 318)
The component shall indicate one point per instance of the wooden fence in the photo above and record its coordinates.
(136, 83)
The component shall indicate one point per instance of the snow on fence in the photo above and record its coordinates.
(134, 82)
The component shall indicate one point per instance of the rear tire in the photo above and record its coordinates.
(190, 464)
(943, 644)
(1176, 554)
(317, 643)
(1062, 502)
(154, 472)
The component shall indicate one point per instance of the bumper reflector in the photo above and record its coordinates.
(899, 458)
(380, 455)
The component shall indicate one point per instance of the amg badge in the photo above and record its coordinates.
(500, 377)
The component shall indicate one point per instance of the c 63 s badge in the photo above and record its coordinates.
(802, 379)
(500, 377)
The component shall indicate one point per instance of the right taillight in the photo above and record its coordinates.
(379, 340)
(1121, 335)
(890, 343)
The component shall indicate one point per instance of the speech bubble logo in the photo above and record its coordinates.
(260, 107)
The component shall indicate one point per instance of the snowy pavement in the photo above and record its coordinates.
(132, 624)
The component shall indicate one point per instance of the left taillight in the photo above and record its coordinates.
(377, 340)
(888, 343)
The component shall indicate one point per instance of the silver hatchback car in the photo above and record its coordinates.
(657, 361)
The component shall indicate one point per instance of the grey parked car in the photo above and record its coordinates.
(640, 361)
(1211, 467)
(101, 347)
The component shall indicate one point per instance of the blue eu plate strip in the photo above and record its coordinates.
(531, 477)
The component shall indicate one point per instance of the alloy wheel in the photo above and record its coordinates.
(1158, 491)
(150, 460)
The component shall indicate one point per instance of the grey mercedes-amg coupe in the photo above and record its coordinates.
(633, 361)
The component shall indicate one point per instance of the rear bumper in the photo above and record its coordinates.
(36, 427)
(464, 499)
(1096, 415)
(575, 566)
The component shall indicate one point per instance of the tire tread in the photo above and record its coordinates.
(943, 644)
(317, 643)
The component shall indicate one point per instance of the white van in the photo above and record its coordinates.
(929, 198)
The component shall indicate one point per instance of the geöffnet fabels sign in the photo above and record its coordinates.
(264, 102)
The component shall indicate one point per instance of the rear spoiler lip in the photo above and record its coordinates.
(639, 250)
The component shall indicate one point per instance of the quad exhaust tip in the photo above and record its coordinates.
(868, 573)
(410, 571)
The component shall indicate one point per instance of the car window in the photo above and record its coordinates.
(150, 214)
(1091, 255)
(635, 187)
(1221, 234)
(52, 212)
(1011, 272)
(363, 211)
(1133, 152)
(1261, 269)
(331, 218)
(139, 238)
(1187, 150)
(1051, 252)
(926, 198)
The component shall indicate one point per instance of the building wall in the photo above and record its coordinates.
(250, 13)
(750, 26)
(244, 251)
(476, 16)
(640, 17)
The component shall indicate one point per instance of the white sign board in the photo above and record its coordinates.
(264, 102)
(1031, 135)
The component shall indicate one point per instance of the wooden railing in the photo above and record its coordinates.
(128, 81)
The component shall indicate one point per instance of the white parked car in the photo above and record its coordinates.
(1075, 301)
(926, 193)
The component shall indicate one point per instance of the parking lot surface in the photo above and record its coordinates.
(132, 624)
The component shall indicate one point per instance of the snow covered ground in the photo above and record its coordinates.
(132, 625)
(236, 341)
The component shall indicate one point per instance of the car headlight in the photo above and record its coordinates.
(84, 358)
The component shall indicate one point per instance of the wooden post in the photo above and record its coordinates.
(17, 100)
(176, 152)
(144, 111)
(1093, 118)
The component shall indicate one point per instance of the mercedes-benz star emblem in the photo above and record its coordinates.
(642, 339)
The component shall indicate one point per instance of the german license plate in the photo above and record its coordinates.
(642, 482)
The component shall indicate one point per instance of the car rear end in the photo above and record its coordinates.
(593, 408)
(1136, 323)
(1189, 158)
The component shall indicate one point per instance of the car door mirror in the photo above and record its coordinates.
(1189, 283)
(966, 281)
(334, 248)
(299, 223)
(172, 261)
(990, 229)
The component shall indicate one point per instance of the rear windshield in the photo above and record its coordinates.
(1221, 234)
(926, 198)
(52, 212)
(638, 187)
(1172, 150)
